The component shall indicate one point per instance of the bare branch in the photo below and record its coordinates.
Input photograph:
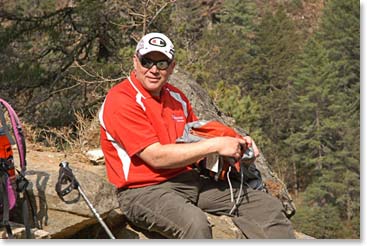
(156, 14)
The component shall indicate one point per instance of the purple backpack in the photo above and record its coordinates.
(11, 183)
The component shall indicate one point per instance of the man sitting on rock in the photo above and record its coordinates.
(157, 188)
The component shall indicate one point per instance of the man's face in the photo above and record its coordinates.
(153, 78)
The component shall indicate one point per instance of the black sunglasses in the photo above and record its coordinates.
(148, 63)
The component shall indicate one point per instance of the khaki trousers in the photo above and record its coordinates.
(175, 208)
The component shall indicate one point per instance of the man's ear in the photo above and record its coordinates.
(173, 64)
(135, 61)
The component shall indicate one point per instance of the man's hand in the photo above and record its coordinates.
(229, 146)
(251, 143)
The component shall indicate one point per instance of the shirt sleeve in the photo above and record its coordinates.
(190, 112)
(191, 115)
(128, 125)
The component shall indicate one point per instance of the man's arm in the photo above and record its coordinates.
(183, 154)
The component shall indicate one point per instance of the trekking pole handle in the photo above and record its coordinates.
(64, 164)
(66, 176)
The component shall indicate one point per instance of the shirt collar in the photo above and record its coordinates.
(140, 88)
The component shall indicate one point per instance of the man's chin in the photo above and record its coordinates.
(154, 88)
(153, 81)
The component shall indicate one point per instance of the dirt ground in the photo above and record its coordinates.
(40, 154)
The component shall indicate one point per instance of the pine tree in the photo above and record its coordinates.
(327, 104)
(310, 125)
(224, 51)
(340, 35)
(319, 222)
(277, 46)
(242, 108)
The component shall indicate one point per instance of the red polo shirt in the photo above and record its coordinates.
(131, 119)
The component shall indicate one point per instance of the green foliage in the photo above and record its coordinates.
(325, 141)
(319, 222)
(224, 50)
(327, 203)
(241, 14)
(311, 90)
(186, 24)
(277, 45)
(242, 108)
(234, 49)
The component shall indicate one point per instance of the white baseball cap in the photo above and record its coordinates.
(156, 42)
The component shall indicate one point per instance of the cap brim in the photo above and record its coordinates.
(143, 52)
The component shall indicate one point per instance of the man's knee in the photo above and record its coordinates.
(196, 226)
(265, 218)
(278, 225)
(274, 207)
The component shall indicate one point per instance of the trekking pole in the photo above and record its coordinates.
(65, 175)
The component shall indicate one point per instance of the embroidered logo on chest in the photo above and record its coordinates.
(179, 118)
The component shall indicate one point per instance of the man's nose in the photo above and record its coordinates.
(154, 69)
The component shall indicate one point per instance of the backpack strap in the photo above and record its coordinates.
(4, 127)
(18, 133)
(25, 213)
(22, 184)
(5, 202)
